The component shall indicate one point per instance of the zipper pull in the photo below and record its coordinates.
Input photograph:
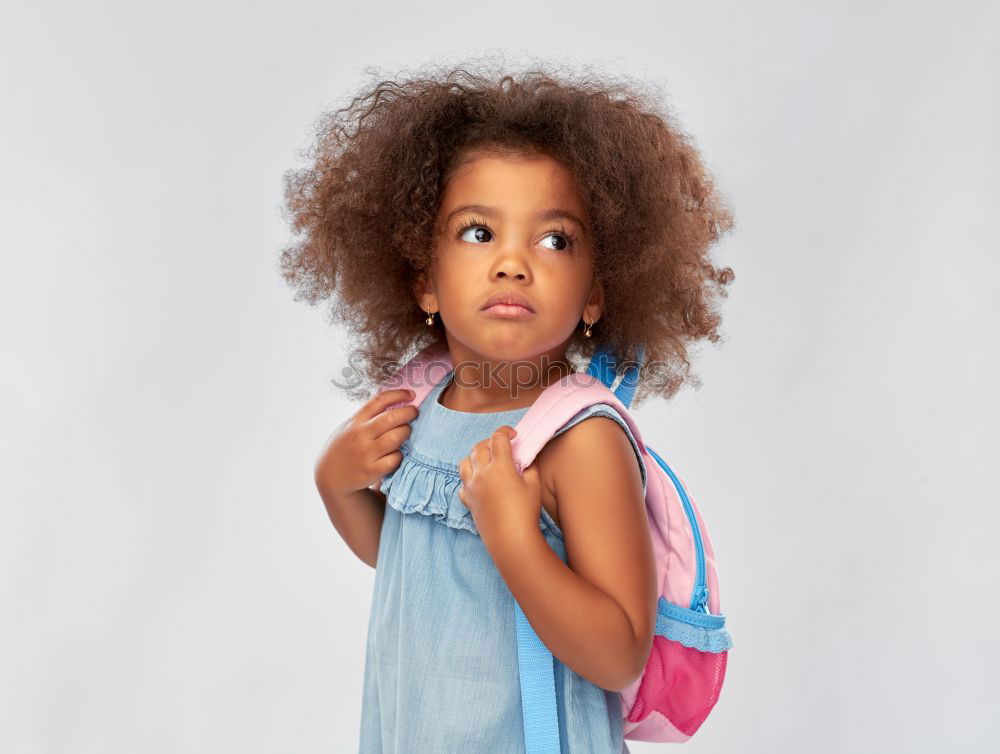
(703, 600)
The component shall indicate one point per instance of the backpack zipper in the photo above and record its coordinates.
(699, 594)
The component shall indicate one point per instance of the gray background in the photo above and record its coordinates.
(169, 581)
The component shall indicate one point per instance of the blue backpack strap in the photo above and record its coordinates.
(538, 689)
(603, 366)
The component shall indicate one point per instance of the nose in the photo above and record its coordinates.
(511, 263)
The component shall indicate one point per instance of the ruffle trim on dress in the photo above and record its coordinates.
(430, 487)
(420, 487)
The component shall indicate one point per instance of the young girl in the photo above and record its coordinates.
(515, 223)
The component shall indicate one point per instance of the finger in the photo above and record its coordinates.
(531, 475)
(383, 400)
(391, 440)
(480, 455)
(387, 463)
(500, 450)
(463, 469)
(461, 496)
(392, 418)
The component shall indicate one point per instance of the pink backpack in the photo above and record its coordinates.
(683, 676)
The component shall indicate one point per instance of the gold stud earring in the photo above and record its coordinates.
(430, 318)
(586, 330)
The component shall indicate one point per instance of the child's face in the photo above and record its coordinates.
(511, 247)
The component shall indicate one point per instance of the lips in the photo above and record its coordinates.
(510, 298)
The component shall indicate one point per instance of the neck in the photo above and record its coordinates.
(481, 384)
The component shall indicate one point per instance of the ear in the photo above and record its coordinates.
(423, 291)
(595, 303)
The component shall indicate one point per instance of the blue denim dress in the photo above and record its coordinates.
(441, 671)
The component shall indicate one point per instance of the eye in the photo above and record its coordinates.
(479, 231)
(565, 240)
(477, 235)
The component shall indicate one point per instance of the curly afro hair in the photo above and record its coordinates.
(364, 210)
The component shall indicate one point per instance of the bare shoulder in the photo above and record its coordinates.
(595, 450)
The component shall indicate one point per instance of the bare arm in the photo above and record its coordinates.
(357, 517)
(597, 613)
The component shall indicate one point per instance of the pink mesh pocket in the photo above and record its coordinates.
(684, 672)
(680, 683)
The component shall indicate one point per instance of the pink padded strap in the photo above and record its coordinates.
(556, 405)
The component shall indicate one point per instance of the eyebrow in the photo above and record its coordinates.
(547, 214)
